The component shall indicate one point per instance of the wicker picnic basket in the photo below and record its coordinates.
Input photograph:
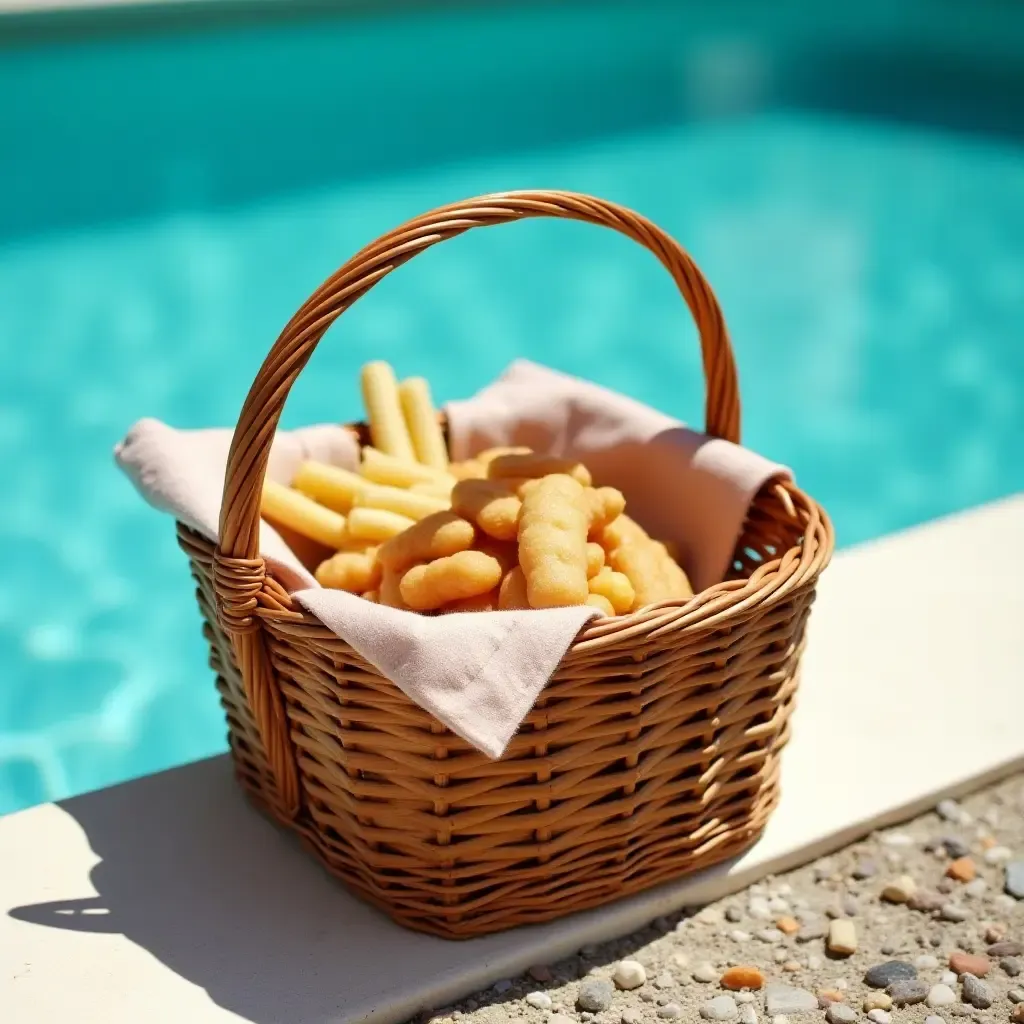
(652, 752)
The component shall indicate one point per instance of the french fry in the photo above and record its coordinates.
(422, 423)
(354, 571)
(332, 486)
(397, 499)
(436, 536)
(384, 411)
(303, 515)
(377, 524)
(553, 542)
(382, 468)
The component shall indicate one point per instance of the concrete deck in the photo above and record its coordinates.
(170, 900)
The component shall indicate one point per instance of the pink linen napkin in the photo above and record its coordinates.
(480, 673)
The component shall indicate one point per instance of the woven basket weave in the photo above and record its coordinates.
(651, 753)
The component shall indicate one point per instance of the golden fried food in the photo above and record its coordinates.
(654, 575)
(332, 486)
(390, 593)
(488, 455)
(483, 603)
(471, 469)
(376, 524)
(616, 588)
(595, 558)
(354, 571)
(384, 411)
(512, 594)
(382, 468)
(602, 603)
(303, 515)
(553, 528)
(452, 578)
(605, 504)
(422, 423)
(436, 536)
(531, 465)
(397, 499)
(489, 505)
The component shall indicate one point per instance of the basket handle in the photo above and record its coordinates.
(239, 571)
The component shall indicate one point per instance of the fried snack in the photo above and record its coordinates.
(303, 515)
(655, 577)
(332, 486)
(488, 504)
(553, 527)
(390, 593)
(482, 603)
(384, 412)
(354, 571)
(606, 504)
(381, 468)
(507, 554)
(488, 455)
(471, 469)
(512, 594)
(532, 465)
(436, 536)
(422, 423)
(595, 559)
(373, 596)
(397, 499)
(376, 524)
(597, 601)
(452, 578)
(615, 588)
(435, 489)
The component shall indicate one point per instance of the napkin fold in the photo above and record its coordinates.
(480, 673)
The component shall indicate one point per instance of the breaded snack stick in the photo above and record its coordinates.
(422, 423)
(488, 455)
(390, 593)
(532, 465)
(512, 595)
(436, 489)
(386, 469)
(375, 524)
(384, 411)
(453, 578)
(675, 581)
(303, 515)
(616, 588)
(353, 571)
(332, 486)
(488, 504)
(595, 559)
(483, 603)
(400, 500)
(441, 534)
(606, 504)
(470, 469)
(553, 527)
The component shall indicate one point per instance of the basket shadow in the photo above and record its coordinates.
(200, 880)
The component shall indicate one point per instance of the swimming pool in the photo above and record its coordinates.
(171, 192)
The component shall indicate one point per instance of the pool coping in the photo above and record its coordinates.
(207, 913)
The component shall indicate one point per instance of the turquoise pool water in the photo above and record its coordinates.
(871, 269)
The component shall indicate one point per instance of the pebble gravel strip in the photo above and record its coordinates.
(923, 924)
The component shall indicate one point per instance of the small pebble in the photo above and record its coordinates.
(995, 932)
(1011, 966)
(842, 937)
(777, 905)
(951, 912)
(792, 966)
(940, 995)
(955, 847)
(877, 1001)
(705, 974)
(1004, 901)
(787, 925)
(733, 914)
(1016, 995)
(926, 962)
(1005, 948)
(933, 1019)
(710, 915)
(1013, 883)
(976, 889)
(897, 839)
(948, 978)
(962, 869)
(748, 1015)
(907, 992)
(719, 1008)
(883, 975)
(998, 855)
(840, 1013)
(887, 949)
(967, 963)
(629, 974)
(780, 956)
(758, 908)
(670, 1011)
(770, 935)
(780, 1018)
(560, 1018)
(880, 1017)
(864, 869)
(950, 810)
(974, 991)
(503, 986)
(631, 1016)
(813, 963)
(811, 931)
(595, 994)
(681, 960)
(925, 901)
(539, 1000)
(738, 935)
(900, 890)
(785, 999)
(850, 906)
(744, 997)
(742, 977)
(829, 995)
(664, 980)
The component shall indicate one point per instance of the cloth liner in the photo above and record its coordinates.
(480, 673)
